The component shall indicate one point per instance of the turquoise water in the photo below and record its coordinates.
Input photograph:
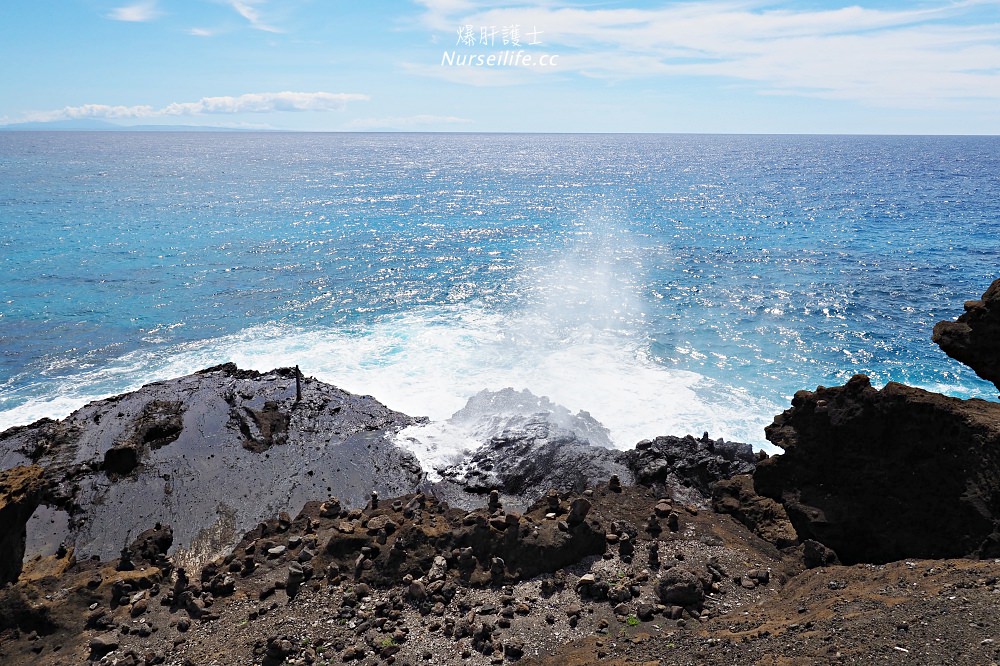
(666, 284)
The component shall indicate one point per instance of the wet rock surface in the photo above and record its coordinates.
(974, 339)
(525, 461)
(531, 446)
(211, 454)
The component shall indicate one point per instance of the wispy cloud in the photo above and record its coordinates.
(932, 55)
(248, 103)
(201, 32)
(138, 12)
(248, 10)
(406, 122)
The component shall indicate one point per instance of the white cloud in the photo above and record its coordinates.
(937, 55)
(138, 12)
(249, 103)
(247, 10)
(201, 32)
(406, 122)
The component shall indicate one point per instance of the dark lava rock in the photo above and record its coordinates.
(815, 554)
(152, 545)
(208, 454)
(530, 445)
(975, 338)
(882, 475)
(763, 515)
(680, 587)
(476, 550)
(102, 645)
(674, 463)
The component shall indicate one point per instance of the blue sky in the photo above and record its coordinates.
(619, 66)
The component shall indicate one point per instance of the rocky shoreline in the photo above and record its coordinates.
(157, 527)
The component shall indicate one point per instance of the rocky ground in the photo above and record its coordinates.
(324, 588)
(538, 549)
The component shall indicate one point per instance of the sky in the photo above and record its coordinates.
(713, 66)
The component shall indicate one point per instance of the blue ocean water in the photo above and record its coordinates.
(665, 284)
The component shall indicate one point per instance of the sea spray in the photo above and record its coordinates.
(430, 361)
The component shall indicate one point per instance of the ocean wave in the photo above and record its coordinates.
(429, 361)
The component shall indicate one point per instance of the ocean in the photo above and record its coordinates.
(664, 284)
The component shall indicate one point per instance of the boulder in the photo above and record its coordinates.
(680, 587)
(529, 445)
(152, 545)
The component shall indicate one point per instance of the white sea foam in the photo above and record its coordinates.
(430, 361)
(576, 338)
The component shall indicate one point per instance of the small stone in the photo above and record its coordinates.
(102, 645)
(625, 547)
(662, 508)
(513, 649)
(138, 608)
(578, 511)
(673, 522)
(681, 587)
(417, 590)
(653, 526)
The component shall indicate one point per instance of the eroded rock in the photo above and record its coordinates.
(21, 491)
(881, 475)
(974, 339)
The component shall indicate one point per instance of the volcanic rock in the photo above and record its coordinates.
(763, 515)
(208, 454)
(881, 475)
(680, 587)
(532, 445)
(676, 463)
(974, 339)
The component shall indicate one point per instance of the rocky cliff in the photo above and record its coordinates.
(974, 339)
(882, 475)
